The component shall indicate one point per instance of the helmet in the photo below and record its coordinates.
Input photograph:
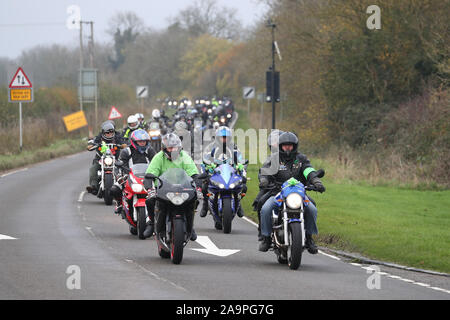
(108, 131)
(171, 140)
(137, 136)
(133, 122)
(181, 125)
(223, 132)
(273, 138)
(156, 114)
(139, 116)
(288, 138)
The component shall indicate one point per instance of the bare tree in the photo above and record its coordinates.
(205, 16)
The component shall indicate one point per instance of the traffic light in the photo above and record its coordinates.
(269, 86)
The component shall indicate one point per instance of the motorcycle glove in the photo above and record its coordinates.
(318, 184)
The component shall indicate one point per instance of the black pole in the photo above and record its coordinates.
(272, 94)
(273, 76)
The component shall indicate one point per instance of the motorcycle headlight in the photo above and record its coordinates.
(136, 187)
(228, 116)
(294, 201)
(154, 133)
(177, 198)
(108, 161)
(218, 184)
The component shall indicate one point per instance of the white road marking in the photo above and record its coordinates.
(425, 285)
(5, 237)
(329, 255)
(211, 248)
(80, 198)
(13, 172)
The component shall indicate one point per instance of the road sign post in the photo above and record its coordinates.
(248, 93)
(141, 94)
(20, 90)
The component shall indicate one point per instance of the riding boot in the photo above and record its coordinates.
(310, 244)
(204, 210)
(265, 244)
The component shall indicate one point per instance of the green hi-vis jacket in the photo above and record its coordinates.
(161, 164)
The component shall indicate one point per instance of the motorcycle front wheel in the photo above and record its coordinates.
(140, 223)
(295, 249)
(108, 183)
(227, 215)
(177, 243)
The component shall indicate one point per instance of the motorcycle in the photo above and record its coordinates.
(176, 195)
(288, 228)
(106, 175)
(224, 189)
(133, 198)
(155, 136)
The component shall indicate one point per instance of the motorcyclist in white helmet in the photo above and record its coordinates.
(132, 124)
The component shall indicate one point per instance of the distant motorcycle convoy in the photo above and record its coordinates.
(148, 171)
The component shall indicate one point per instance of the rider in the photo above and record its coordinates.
(288, 162)
(171, 156)
(222, 150)
(139, 151)
(108, 134)
(132, 124)
(272, 142)
(142, 122)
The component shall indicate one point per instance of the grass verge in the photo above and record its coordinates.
(57, 149)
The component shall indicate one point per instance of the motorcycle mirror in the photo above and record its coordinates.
(320, 173)
(246, 162)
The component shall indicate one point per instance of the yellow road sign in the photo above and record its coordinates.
(75, 121)
(21, 95)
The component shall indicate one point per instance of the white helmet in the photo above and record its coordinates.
(156, 114)
(133, 121)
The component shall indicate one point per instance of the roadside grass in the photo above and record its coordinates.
(378, 219)
(57, 149)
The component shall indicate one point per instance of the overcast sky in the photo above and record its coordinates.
(27, 23)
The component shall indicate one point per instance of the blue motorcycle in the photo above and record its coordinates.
(288, 228)
(224, 189)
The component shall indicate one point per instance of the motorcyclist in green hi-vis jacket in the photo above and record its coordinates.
(170, 156)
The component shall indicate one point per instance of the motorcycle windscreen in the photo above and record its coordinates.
(154, 126)
(226, 171)
(139, 169)
(177, 176)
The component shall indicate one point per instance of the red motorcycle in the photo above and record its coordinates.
(133, 199)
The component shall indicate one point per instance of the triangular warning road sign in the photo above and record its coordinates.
(114, 114)
(20, 80)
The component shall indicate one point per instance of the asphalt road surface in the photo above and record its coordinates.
(57, 242)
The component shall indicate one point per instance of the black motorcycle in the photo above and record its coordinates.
(176, 197)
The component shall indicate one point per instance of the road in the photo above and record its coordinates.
(50, 227)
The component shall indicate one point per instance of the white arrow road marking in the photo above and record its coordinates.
(211, 248)
(5, 237)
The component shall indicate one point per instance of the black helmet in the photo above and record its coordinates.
(171, 140)
(288, 138)
(108, 130)
(273, 138)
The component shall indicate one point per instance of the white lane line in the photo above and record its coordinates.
(13, 172)
(5, 237)
(80, 198)
(250, 221)
(329, 255)
(425, 285)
